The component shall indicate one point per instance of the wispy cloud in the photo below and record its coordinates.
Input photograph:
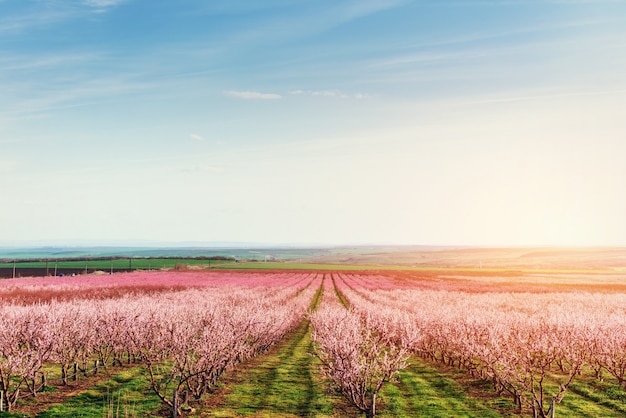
(323, 93)
(252, 95)
(329, 93)
(472, 45)
(286, 26)
(197, 137)
(103, 5)
(361, 8)
(19, 22)
(47, 61)
(28, 101)
(53, 12)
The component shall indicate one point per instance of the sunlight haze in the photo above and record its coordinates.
(331, 122)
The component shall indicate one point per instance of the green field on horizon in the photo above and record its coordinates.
(116, 264)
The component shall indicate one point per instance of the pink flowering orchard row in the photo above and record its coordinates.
(200, 278)
(187, 338)
(44, 289)
(355, 357)
(513, 339)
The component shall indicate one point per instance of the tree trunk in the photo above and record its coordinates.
(518, 403)
(12, 402)
(64, 375)
(371, 412)
(175, 404)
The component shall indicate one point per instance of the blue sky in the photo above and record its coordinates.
(329, 122)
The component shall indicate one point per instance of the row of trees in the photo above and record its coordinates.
(356, 356)
(362, 334)
(186, 339)
(518, 341)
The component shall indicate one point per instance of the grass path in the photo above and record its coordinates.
(285, 382)
(426, 390)
(589, 398)
(422, 390)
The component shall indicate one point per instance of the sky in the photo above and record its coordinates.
(476, 122)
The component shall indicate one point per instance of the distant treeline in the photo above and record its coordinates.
(85, 265)
(114, 257)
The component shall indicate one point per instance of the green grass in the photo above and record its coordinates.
(126, 394)
(117, 264)
(590, 398)
(423, 390)
(283, 383)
